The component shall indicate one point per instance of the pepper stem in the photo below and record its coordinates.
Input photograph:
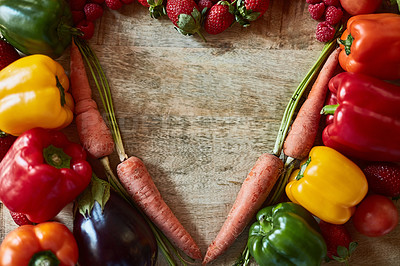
(56, 157)
(62, 91)
(347, 43)
(46, 257)
(303, 168)
(329, 109)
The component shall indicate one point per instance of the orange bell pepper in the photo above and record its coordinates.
(49, 243)
(328, 184)
(371, 45)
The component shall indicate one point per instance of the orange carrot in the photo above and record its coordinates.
(93, 132)
(249, 200)
(137, 181)
(304, 129)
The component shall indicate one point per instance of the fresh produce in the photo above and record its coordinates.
(371, 44)
(109, 231)
(94, 135)
(339, 242)
(6, 142)
(304, 129)
(37, 27)
(361, 6)
(8, 54)
(383, 178)
(49, 243)
(20, 218)
(219, 18)
(34, 93)
(254, 191)
(375, 216)
(42, 172)
(250, 10)
(366, 122)
(185, 15)
(328, 13)
(328, 184)
(286, 234)
(156, 7)
(138, 183)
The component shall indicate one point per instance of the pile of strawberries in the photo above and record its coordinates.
(329, 13)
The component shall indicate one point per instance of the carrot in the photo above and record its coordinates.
(249, 200)
(138, 183)
(93, 132)
(304, 129)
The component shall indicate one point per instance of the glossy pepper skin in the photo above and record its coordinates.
(372, 45)
(366, 123)
(37, 26)
(286, 234)
(48, 243)
(329, 185)
(34, 93)
(41, 173)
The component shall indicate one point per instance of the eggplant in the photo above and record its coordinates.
(114, 234)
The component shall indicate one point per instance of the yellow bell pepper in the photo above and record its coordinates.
(33, 93)
(328, 184)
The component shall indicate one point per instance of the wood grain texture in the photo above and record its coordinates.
(199, 114)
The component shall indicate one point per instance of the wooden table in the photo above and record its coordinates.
(200, 113)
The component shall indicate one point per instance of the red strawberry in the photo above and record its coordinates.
(219, 18)
(8, 54)
(338, 241)
(185, 15)
(383, 178)
(156, 7)
(205, 4)
(250, 10)
(6, 141)
(20, 218)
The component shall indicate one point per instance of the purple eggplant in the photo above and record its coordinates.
(114, 235)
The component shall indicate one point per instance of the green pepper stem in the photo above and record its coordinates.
(46, 257)
(329, 109)
(56, 157)
(346, 43)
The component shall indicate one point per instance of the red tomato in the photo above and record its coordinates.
(375, 216)
(357, 7)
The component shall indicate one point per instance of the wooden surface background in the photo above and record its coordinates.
(199, 114)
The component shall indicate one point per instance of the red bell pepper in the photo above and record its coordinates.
(366, 122)
(371, 45)
(41, 173)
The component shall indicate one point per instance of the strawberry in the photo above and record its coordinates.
(383, 178)
(219, 18)
(338, 241)
(6, 141)
(156, 7)
(250, 10)
(185, 15)
(205, 4)
(8, 54)
(20, 218)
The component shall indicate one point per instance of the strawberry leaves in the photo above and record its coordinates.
(190, 24)
(243, 15)
(345, 253)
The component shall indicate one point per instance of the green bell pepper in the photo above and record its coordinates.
(286, 234)
(37, 26)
